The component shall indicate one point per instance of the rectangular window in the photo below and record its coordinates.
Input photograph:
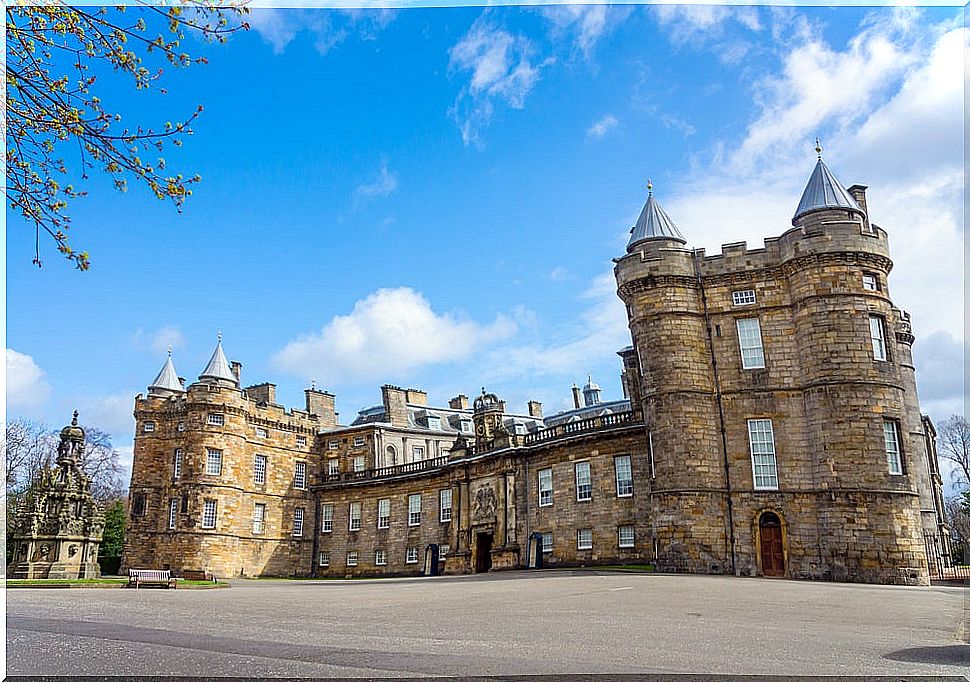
(890, 433)
(870, 282)
(259, 518)
(745, 297)
(209, 514)
(412, 556)
(354, 516)
(185, 503)
(584, 538)
(213, 462)
(299, 476)
(877, 330)
(380, 557)
(465, 425)
(334, 444)
(324, 560)
(352, 558)
(384, 513)
(762, 438)
(443, 551)
(359, 463)
(177, 465)
(149, 427)
(414, 510)
(173, 510)
(624, 476)
(584, 485)
(259, 469)
(333, 466)
(444, 499)
(545, 487)
(217, 420)
(138, 504)
(261, 432)
(546, 543)
(326, 518)
(181, 427)
(434, 422)
(298, 522)
(301, 440)
(749, 339)
(624, 536)
(358, 441)
(418, 452)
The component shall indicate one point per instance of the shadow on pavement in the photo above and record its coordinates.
(951, 654)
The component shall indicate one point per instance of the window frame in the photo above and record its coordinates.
(758, 467)
(441, 505)
(585, 487)
(380, 557)
(629, 481)
(299, 516)
(301, 441)
(353, 558)
(173, 510)
(323, 560)
(355, 511)
(359, 441)
(326, 517)
(213, 455)
(547, 549)
(414, 516)
(259, 518)
(262, 432)
(362, 461)
(740, 297)
(333, 466)
(632, 542)
(215, 419)
(877, 323)
(580, 534)
(417, 453)
(866, 277)
(148, 427)
(177, 464)
(551, 489)
(897, 456)
(384, 521)
(206, 514)
(333, 445)
(300, 474)
(411, 555)
(257, 478)
(748, 362)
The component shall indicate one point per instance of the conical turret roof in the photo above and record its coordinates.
(168, 378)
(218, 367)
(653, 223)
(824, 191)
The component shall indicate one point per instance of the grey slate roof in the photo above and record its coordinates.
(824, 191)
(654, 223)
(218, 367)
(168, 378)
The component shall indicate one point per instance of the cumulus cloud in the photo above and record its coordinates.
(390, 333)
(500, 67)
(328, 28)
(602, 126)
(584, 24)
(111, 413)
(26, 386)
(889, 106)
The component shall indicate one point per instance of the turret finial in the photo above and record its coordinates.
(649, 185)
(219, 335)
(313, 384)
(170, 350)
(74, 421)
(818, 148)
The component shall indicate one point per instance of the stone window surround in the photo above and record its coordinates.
(359, 441)
(764, 462)
(544, 478)
(870, 281)
(301, 440)
(261, 432)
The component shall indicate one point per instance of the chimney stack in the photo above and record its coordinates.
(321, 404)
(459, 402)
(236, 368)
(576, 402)
(535, 409)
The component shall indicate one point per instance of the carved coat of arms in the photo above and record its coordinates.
(485, 504)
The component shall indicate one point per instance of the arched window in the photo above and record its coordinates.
(390, 456)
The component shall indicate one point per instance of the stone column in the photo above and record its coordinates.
(510, 536)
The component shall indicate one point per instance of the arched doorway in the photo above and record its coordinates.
(772, 549)
(390, 457)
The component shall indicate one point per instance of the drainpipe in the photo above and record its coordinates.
(316, 534)
(720, 413)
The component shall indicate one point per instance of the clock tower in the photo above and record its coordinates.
(488, 412)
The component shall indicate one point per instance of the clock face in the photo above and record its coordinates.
(480, 430)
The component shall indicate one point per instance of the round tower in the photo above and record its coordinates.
(657, 282)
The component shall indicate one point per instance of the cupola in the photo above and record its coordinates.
(653, 223)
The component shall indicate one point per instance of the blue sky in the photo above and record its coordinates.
(432, 197)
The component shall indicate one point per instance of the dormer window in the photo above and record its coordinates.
(465, 425)
(434, 422)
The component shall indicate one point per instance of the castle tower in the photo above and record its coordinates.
(167, 383)
(487, 413)
(658, 283)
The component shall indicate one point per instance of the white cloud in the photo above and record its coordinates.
(699, 25)
(602, 126)
(501, 70)
(111, 413)
(890, 105)
(327, 27)
(585, 24)
(26, 387)
(159, 340)
(558, 274)
(390, 333)
(384, 185)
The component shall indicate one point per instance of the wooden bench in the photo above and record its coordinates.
(195, 575)
(140, 576)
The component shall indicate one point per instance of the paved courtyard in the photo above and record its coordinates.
(513, 623)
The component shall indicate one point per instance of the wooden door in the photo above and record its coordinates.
(772, 551)
(483, 553)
